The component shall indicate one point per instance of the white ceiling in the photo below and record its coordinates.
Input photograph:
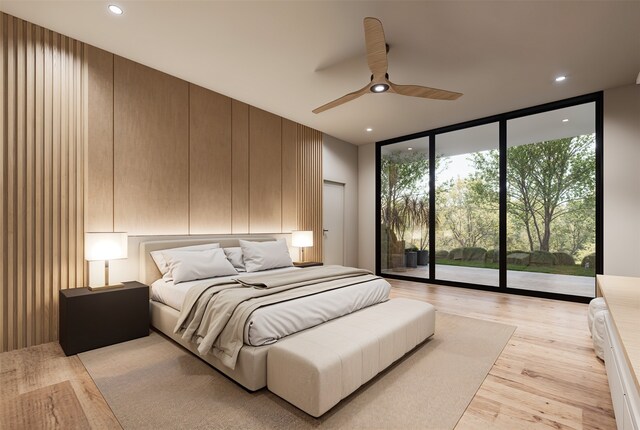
(291, 57)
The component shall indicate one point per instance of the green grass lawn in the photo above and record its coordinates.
(557, 270)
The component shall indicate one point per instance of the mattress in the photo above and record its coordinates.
(269, 323)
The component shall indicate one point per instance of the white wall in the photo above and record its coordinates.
(621, 186)
(622, 181)
(367, 202)
(340, 164)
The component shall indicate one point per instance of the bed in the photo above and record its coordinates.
(266, 324)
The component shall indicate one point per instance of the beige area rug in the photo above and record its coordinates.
(153, 383)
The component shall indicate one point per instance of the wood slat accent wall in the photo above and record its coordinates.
(94, 142)
(309, 173)
(42, 178)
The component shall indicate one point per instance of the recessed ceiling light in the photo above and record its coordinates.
(369, 129)
(409, 149)
(565, 120)
(116, 10)
(560, 78)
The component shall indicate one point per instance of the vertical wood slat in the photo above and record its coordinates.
(39, 184)
(42, 132)
(84, 179)
(21, 148)
(309, 193)
(3, 199)
(11, 186)
(30, 186)
(48, 186)
(55, 175)
(80, 115)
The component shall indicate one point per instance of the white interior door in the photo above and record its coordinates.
(333, 219)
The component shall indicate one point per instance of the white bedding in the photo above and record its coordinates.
(268, 324)
(173, 294)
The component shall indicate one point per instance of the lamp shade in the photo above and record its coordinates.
(105, 246)
(301, 238)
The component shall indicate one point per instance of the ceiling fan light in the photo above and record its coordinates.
(379, 88)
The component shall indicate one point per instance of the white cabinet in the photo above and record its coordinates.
(629, 421)
(624, 393)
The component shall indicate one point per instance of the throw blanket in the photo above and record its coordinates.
(214, 315)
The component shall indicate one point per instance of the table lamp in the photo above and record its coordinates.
(105, 247)
(302, 239)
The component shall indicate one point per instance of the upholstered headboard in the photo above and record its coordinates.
(149, 271)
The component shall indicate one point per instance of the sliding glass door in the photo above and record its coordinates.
(404, 200)
(512, 202)
(551, 203)
(467, 206)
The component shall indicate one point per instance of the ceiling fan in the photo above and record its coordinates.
(380, 83)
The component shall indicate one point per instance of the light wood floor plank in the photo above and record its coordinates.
(52, 407)
(42, 388)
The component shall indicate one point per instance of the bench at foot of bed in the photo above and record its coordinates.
(315, 369)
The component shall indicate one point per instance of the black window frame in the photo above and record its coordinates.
(501, 120)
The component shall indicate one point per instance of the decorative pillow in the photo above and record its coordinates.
(191, 265)
(159, 256)
(259, 256)
(234, 255)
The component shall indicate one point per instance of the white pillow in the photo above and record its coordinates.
(159, 256)
(191, 265)
(234, 255)
(265, 255)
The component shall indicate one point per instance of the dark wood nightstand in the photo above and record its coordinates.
(93, 319)
(307, 263)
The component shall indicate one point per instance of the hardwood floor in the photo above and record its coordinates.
(546, 377)
(42, 388)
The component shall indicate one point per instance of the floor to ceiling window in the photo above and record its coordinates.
(551, 201)
(404, 199)
(467, 233)
(510, 202)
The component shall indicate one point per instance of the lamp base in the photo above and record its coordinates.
(106, 287)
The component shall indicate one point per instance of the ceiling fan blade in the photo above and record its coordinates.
(376, 46)
(346, 98)
(424, 92)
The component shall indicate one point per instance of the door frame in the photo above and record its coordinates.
(344, 208)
